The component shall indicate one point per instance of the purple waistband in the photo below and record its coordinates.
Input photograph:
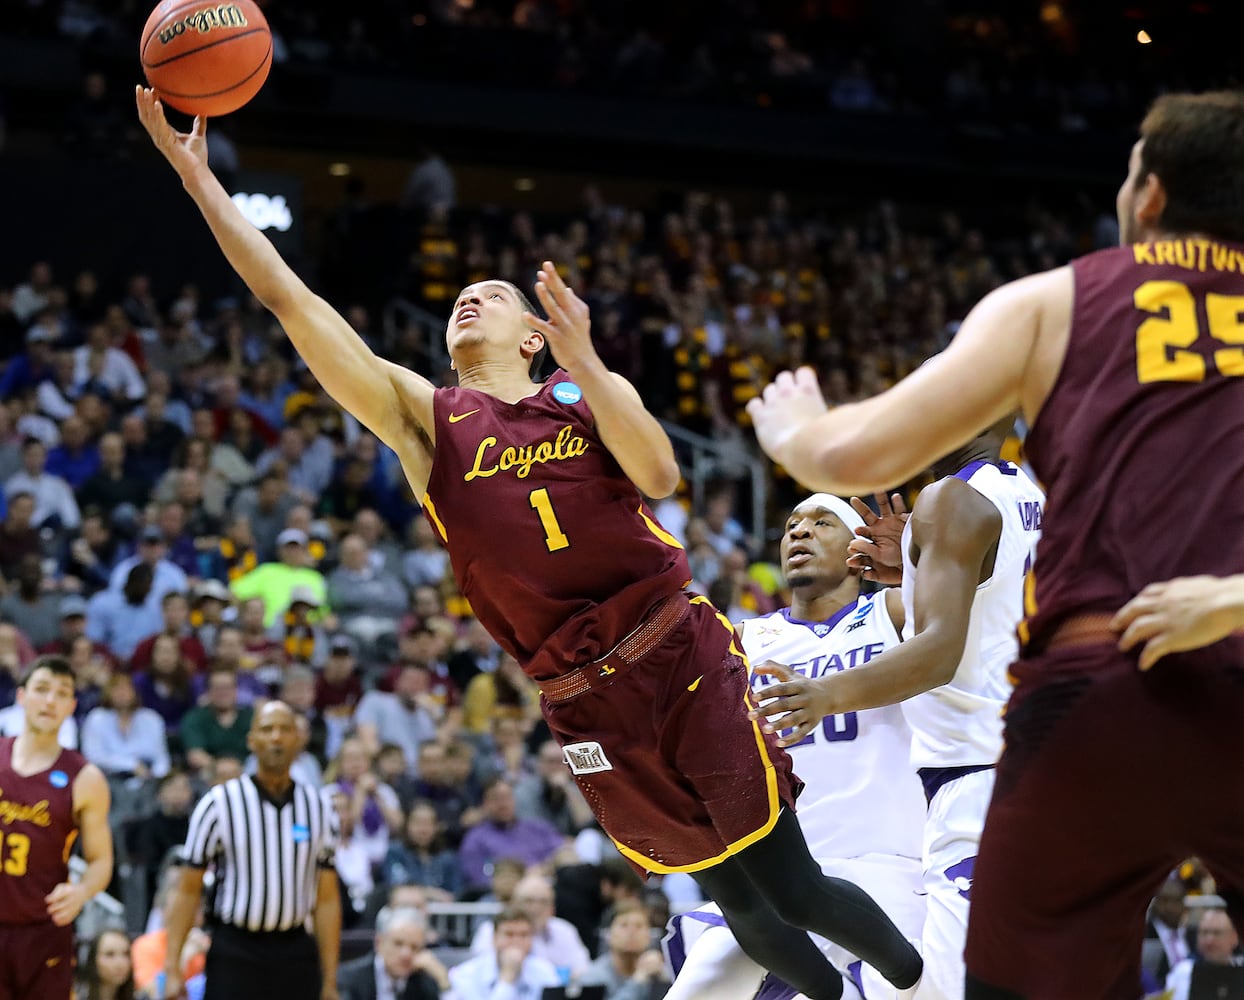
(934, 778)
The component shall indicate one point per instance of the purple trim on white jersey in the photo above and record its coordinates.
(825, 627)
(972, 468)
(675, 943)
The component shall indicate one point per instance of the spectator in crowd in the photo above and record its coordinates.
(301, 638)
(1217, 944)
(76, 459)
(55, 505)
(110, 485)
(175, 614)
(357, 590)
(91, 556)
(438, 787)
(394, 770)
(551, 794)
(167, 576)
(552, 937)
(234, 554)
(166, 687)
(209, 599)
(91, 670)
(510, 966)
(338, 688)
(218, 727)
(265, 507)
(308, 465)
(255, 676)
(275, 581)
(150, 951)
(351, 858)
(373, 806)
(630, 968)
(120, 619)
(162, 828)
(506, 691)
(32, 605)
(1168, 939)
(298, 692)
(383, 550)
(404, 717)
(123, 739)
(107, 367)
(145, 460)
(477, 653)
(426, 562)
(501, 834)
(422, 856)
(107, 973)
(505, 753)
(19, 537)
(401, 967)
(72, 628)
(348, 494)
(15, 655)
(24, 372)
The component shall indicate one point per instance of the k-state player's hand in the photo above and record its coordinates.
(800, 701)
(877, 552)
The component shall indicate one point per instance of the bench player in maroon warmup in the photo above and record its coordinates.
(1128, 364)
(533, 487)
(48, 797)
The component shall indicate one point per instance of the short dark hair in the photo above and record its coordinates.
(1194, 143)
(536, 367)
(53, 663)
(512, 915)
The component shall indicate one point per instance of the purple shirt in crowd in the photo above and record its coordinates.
(530, 841)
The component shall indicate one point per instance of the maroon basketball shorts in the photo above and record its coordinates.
(36, 960)
(1110, 778)
(674, 770)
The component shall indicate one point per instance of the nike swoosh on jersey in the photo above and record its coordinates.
(455, 417)
(695, 683)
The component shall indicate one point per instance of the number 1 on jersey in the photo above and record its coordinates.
(554, 537)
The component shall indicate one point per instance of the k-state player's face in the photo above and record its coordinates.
(814, 546)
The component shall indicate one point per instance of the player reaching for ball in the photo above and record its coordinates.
(533, 488)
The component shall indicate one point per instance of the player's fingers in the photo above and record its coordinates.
(1142, 628)
(805, 378)
(550, 274)
(796, 728)
(771, 668)
(200, 127)
(1139, 605)
(536, 323)
(550, 303)
(897, 505)
(1154, 650)
(864, 511)
(862, 545)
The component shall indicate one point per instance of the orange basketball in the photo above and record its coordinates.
(204, 57)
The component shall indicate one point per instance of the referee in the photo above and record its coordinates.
(270, 840)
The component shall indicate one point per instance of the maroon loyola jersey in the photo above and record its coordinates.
(37, 830)
(1140, 445)
(550, 542)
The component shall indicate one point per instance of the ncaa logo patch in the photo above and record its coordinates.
(960, 875)
(59, 779)
(586, 758)
(567, 392)
(301, 833)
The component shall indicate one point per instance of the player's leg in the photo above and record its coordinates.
(786, 875)
(952, 834)
(707, 961)
(41, 965)
(1071, 852)
(764, 936)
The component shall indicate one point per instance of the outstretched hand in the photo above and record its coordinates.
(788, 403)
(877, 551)
(799, 700)
(568, 330)
(185, 151)
(1178, 615)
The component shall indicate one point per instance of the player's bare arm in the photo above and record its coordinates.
(186, 896)
(327, 928)
(632, 435)
(90, 807)
(1179, 615)
(1005, 357)
(955, 531)
(388, 399)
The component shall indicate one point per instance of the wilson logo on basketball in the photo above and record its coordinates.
(227, 15)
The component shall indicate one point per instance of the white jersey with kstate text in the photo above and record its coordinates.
(960, 723)
(864, 796)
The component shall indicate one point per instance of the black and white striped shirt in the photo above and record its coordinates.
(266, 853)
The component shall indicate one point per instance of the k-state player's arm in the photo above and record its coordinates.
(90, 812)
(954, 535)
(390, 400)
(1005, 356)
(632, 434)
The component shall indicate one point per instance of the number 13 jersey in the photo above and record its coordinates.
(550, 542)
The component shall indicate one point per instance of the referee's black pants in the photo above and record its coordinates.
(262, 965)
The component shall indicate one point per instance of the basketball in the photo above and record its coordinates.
(206, 58)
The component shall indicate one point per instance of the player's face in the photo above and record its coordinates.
(47, 700)
(488, 312)
(814, 547)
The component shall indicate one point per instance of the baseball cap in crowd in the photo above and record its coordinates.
(342, 643)
(151, 534)
(303, 595)
(214, 589)
(72, 606)
(292, 536)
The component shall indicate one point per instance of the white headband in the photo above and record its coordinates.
(840, 508)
